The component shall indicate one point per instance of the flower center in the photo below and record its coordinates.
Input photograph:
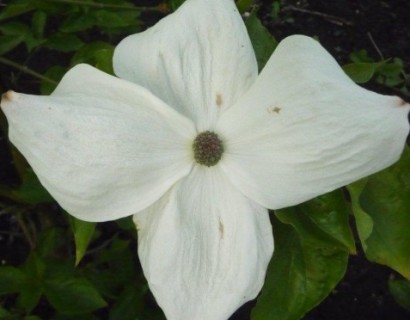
(208, 148)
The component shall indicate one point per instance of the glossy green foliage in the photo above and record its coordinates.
(263, 42)
(29, 192)
(312, 244)
(63, 268)
(64, 28)
(110, 277)
(43, 275)
(362, 72)
(387, 72)
(83, 232)
(244, 5)
(174, 4)
(382, 211)
(400, 290)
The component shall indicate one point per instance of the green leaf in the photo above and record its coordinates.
(50, 241)
(33, 42)
(86, 316)
(361, 72)
(4, 314)
(73, 295)
(64, 42)
(98, 54)
(312, 244)
(328, 215)
(14, 33)
(11, 280)
(263, 42)
(38, 23)
(34, 266)
(117, 267)
(360, 56)
(400, 289)
(54, 8)
(244, 5)
(364, 222)
(276, 10)
(16, 8)
(381, 205)
(392, 69)
(115, 19)
(78, 22)
(29, 192)
(174, 4)
(8, 43)
(127, 224)
(55, 73)
(391, 74)
(103, 60)
(83, 232)
(130, 303)
(30, 294)
(14, 28)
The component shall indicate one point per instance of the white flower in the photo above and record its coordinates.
(106, 148)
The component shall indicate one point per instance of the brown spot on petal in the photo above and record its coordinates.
(274, 109)
(402, 103)
(219, 100)
(9, 96)
(221, 229)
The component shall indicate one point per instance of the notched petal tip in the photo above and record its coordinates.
(402, 104)
(9, 96)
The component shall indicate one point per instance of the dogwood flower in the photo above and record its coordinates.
(196, 146)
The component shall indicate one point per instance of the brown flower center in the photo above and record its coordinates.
(208, 148)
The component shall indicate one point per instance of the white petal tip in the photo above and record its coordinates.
(8, 97)
(402, 104)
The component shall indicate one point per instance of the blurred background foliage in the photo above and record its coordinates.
(54, 266)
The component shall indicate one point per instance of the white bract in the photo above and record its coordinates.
(107, 148)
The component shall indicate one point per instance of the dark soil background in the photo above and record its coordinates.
(343, 26)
